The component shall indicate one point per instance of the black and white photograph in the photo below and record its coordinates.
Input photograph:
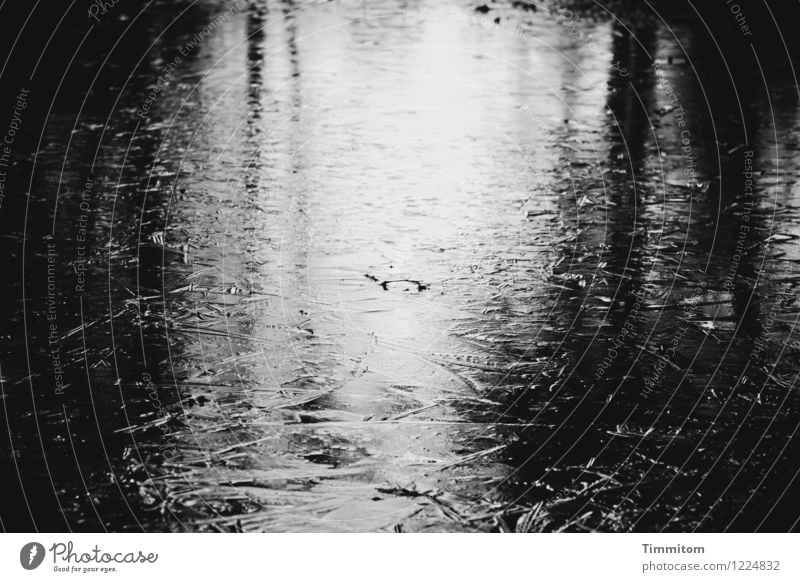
(399, 267)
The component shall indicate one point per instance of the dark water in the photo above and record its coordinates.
(359, 266)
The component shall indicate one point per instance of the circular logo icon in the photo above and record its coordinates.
(31, 555)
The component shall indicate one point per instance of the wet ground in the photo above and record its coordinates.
(378, 266)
